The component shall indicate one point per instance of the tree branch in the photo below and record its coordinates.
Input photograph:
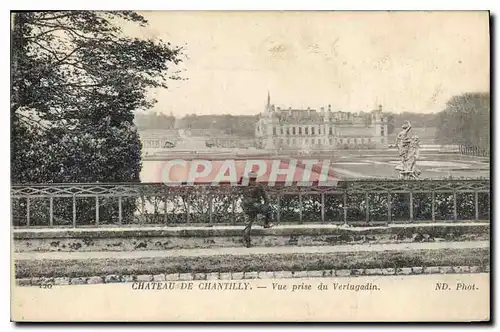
(48, 50)
(42, 33)
(56, 17)
(70, 54)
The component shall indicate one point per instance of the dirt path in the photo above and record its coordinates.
(114, 228)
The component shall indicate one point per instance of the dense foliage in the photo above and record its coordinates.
(76, 80)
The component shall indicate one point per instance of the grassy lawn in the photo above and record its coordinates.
(263, 262)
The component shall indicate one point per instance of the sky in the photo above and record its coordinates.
(353, 61)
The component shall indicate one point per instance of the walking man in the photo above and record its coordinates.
(255, 203)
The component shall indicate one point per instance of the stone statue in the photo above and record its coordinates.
(413, 156)
(403, 144)
(409, 152)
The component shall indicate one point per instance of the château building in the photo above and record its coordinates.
(309, 129)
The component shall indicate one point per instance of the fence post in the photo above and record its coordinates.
(278, 208)
(389, 208)
(322, 207)
(120, 217)
(489, 204)
(165, 209)
(455, 217)
(143, 209)
(367, 206)
(476, 204)
(433, 206)
(188, 217)
(233, 209)
(300, 207)
(74, 211)
(210, 207)
(97, 210)
(51, 211)
(28, 211)
(345, 206)
(411, 206)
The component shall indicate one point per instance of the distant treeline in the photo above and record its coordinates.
(417, 120)
(464, 121)
(154, 121)
(240, 125)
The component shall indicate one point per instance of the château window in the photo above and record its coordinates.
(281, 130)
(319, 130)
(293, 131)
(300, 130)
(312, 131)
(330, 131)
(306, 130)
(274, 131)
(287, 131)
(382, 133)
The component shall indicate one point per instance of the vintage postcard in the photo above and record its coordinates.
(276, 166)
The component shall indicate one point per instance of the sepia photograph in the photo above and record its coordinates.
(250, 166)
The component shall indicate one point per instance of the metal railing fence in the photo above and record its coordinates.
(357, 201)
